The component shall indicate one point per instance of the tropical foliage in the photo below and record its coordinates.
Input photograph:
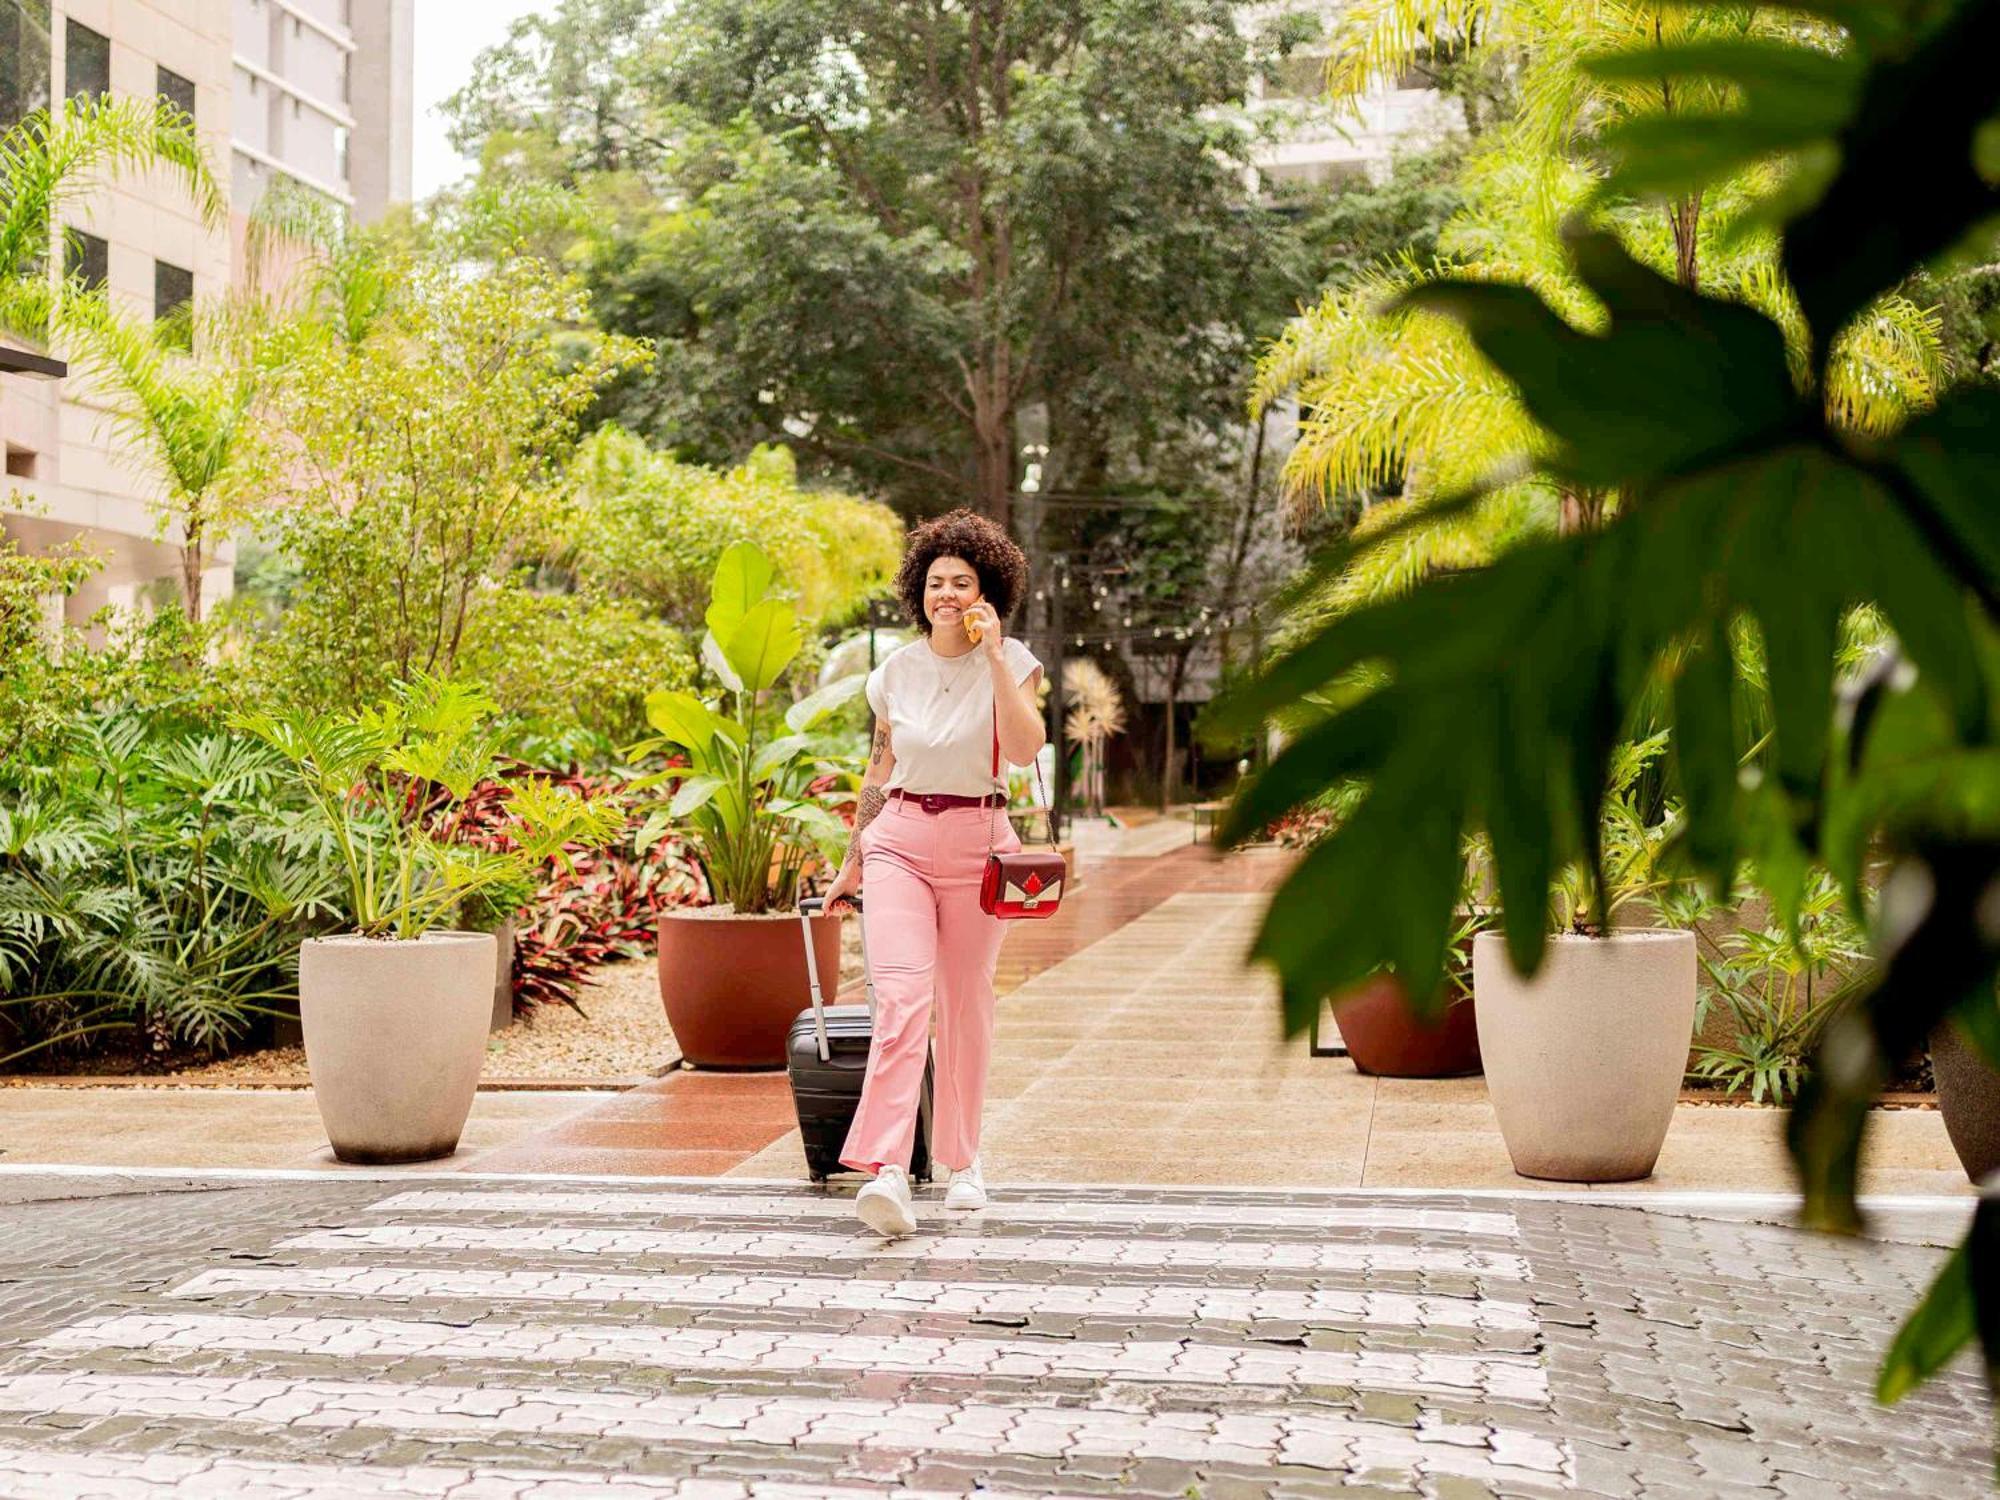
(426, 462)
(879, 231)
(1771, 990)
(744, 798)
(155, 881)
(1736, 490)
(385, 785)
(55, 157)
(183, 397)
(1401, 408)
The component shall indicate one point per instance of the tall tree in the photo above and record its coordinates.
(881, 229)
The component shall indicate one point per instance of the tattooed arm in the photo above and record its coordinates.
(874, 797)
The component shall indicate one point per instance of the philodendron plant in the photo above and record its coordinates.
(743, 800)
(369, 777)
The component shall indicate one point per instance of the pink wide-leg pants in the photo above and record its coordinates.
(927, 939)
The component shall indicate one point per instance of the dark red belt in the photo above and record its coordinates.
(936, 802)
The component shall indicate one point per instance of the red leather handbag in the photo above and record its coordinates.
(1027, 884)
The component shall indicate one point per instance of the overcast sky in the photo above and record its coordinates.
(450, 33)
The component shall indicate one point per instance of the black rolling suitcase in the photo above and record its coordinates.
(827, 1057)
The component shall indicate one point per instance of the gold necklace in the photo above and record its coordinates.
(957, 677)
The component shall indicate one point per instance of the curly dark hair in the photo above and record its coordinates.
(1002, 567)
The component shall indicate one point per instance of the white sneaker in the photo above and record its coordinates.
(885, 1205)
(967, 1190)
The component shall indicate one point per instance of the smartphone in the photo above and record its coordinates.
(972, 631)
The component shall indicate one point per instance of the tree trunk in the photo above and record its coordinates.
(1684, 219)
(191, 568)
(993, 453)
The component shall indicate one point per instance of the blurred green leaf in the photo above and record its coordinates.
(811, 709)
(1599, 393)
(1951, 455)
(763, 643)
(1935, 951)
(1879, 219)
(743, 577)
(1705, 751)
(1931, 1337)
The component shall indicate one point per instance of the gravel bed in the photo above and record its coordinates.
(623, 1038)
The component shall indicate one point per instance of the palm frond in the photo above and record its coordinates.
(1374, 40)
(55, 156)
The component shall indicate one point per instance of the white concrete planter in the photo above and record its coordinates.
(395, 1035)
(1584, 1062)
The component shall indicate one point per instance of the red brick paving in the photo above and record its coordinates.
(700, 1124)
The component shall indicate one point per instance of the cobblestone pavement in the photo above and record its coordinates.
(266, 1337)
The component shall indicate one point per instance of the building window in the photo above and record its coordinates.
(86, 62)
(87, 259)
(347, 78)
(173, 290)
(20, 462)
(175, 90)
(340, 142)
(1302, 75)
(24, 59)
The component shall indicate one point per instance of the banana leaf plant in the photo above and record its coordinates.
(381, 783)
(744, 800)
(1495, 699)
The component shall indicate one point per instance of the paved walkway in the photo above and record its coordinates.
(319, 1337)
(1133, 1045)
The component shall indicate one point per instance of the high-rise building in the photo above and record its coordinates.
(1309, 142)
(318, 90)
(323, 96)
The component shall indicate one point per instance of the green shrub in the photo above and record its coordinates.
(652, 530)
(381, 786)
(565, 668)
(155, 879)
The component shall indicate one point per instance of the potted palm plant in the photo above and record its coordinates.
(729, 972)
(395, 1012)
(1584, 1061)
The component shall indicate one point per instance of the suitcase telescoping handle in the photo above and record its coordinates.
(809, 908)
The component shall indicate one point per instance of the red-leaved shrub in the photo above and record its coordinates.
(605, 906)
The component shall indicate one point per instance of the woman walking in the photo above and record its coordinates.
(929, 812)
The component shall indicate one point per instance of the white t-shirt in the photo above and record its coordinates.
(939, 710)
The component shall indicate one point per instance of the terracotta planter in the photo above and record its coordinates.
(1969, 1099)
(1384, 1036)
(733, 985)
(1584, 1062)
(395, 1033)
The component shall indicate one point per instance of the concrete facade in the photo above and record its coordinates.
(323, 96)
(1316, 144)
(384, 104)
(317, 90)
(71, 475)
